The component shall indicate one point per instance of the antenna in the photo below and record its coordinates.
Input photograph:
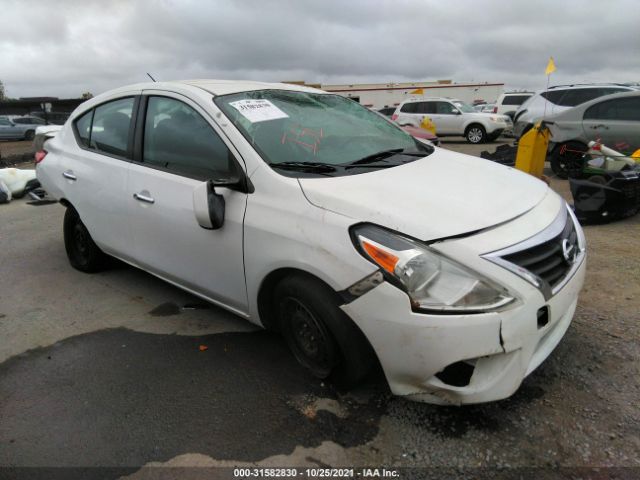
(149, 75)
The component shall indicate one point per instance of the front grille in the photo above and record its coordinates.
(551, 260)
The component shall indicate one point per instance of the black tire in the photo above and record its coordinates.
(83, 253)
(475, 134)
(322, 338)
(494, 136)
(29, 135)
(566, 159)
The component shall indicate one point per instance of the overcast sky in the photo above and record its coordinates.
(64, 47)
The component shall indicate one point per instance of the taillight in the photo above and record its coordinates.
(40, 154)
(495, 109)
(394, 117)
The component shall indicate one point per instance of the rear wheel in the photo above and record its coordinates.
(566, 159)
(319, 334)
(83, 253)
(475, 134)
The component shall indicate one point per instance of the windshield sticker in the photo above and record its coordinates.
(258, 110)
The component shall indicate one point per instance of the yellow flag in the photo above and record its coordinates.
(418, 91)
(551, 67)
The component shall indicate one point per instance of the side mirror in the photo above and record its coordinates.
(209, 206)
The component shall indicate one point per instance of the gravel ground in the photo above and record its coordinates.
(66, 333)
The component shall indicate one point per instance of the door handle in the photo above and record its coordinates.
(144, 198)
(69, 175)
(600, 125)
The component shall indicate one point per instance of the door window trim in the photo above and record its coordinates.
(130, 139)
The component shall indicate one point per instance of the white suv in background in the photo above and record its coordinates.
(508, 103)
(452, 117)
(558, 99)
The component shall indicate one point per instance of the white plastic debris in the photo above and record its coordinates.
(15, 180)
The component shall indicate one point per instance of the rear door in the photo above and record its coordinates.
(615, 122)
(178, 147)
(95, 171)
(408, 114)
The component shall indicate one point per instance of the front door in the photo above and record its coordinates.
(447, 119)
(179, 150)
(616, 123)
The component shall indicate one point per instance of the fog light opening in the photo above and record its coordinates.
(457, 374)
(543, 316)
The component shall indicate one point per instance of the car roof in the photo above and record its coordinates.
(217, 87)
(428, 99)
(517, 93)
(590, 85)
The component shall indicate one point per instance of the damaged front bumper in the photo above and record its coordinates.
(463, 359)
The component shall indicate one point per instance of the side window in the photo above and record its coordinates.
(625, 109)
(428, 107)
(111, 126)
(579, 96)
(445, 108)
(178, 139)
(83, 126)
(409, 107)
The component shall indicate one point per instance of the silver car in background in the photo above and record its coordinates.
(613, 120)
(19, 128)
(557, 99)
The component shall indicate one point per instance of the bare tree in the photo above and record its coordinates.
(2, 94)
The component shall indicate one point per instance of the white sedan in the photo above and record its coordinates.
(304, 212)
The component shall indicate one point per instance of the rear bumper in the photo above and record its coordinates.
(497, 349)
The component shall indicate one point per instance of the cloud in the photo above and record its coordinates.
(64, 48)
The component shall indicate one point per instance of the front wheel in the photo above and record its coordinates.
(319, 334)
(29, 135)
(83, 253)
(476, 134)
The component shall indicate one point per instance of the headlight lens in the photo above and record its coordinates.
(432, 281)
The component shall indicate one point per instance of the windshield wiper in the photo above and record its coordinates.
(376, 157)
(306, 166)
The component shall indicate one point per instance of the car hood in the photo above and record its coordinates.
(442, 195)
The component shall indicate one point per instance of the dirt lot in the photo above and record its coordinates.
(15, 151)
(106, 370)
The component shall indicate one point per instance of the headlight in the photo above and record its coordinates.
(496, 119)
(432, 281)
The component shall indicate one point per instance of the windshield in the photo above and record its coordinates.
(464, 107)
(299, 127)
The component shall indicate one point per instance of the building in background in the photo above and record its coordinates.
(51, 109)
(380, 95)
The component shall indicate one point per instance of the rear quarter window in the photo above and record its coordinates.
(553, 96)
(83, 128)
